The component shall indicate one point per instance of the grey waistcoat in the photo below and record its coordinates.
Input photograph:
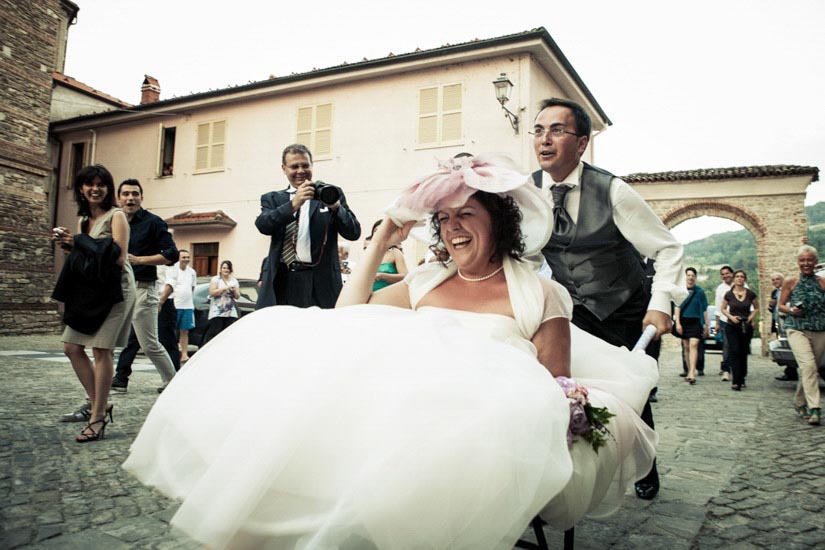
(600, 268)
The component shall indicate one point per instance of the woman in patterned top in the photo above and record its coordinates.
(803, 299)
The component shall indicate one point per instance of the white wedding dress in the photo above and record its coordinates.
(379, 427)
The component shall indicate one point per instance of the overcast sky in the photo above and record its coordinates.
(688, 85)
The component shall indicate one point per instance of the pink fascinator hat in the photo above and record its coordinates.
(457, 179)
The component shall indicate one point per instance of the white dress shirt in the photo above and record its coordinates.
(303, 244)
(642, 228)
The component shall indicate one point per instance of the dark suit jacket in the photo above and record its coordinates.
(276, 213)
(89, 284)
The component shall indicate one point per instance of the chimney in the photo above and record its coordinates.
(150, 90)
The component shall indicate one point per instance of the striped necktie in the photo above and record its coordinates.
(288, 254)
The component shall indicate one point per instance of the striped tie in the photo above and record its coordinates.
(288, 254)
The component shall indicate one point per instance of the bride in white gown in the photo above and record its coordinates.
(429, 418)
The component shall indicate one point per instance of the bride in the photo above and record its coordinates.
(426, 415)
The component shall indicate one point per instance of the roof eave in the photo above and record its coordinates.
(538, 42)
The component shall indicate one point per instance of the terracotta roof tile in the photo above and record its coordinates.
(189, 218)
(736, 172)
(86, 89)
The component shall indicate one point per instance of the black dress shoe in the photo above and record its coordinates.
(785, 378)
(683, 374)
(646, 491)
(701, 373)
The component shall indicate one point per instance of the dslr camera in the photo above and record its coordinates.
(326, 193)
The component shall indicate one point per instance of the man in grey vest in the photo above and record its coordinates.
(602, 228)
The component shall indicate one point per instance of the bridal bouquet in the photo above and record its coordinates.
(586, 421)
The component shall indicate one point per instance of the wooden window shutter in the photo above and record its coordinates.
(451, 108)
(218, 144)
(202, 147)
(305, 127)
(323, 130)
(428, 116)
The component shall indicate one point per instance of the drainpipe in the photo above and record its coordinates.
(94, 146)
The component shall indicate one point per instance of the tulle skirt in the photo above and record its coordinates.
(371, 427)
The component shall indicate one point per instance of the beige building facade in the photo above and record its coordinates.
(204, 160)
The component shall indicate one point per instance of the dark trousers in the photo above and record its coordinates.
(167, 335)
(739, 343)
(294, 288)
(167, 319)
(216, 326)
(725, 348)
(622, 328)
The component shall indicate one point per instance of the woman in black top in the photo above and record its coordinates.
(740, 307)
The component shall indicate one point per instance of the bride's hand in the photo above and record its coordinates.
(390, 234)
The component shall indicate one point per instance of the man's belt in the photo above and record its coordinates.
(298, 266)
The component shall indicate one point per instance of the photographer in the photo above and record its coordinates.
(740, 307)
(304, 222)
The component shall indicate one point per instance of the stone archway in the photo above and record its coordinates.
(767, 200)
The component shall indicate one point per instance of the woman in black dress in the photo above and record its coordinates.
(740, 307)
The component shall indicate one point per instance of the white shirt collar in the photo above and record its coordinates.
(572, 179)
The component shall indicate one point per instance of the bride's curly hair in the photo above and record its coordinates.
(506, 227)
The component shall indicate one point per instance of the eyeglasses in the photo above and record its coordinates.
(555, 131)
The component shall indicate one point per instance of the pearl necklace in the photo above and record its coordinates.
(479, 279)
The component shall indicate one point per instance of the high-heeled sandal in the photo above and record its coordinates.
(690, 381)
(735, 387)
(108, 412)
(86, 437)
(802, 411)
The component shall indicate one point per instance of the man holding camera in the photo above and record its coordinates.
(304, 222)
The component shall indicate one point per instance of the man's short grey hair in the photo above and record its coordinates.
(807, 249)
(777, 274)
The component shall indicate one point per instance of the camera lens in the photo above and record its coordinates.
(327, 194)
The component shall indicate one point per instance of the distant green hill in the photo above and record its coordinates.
(738, 249)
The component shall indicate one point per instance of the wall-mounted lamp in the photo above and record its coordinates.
(503, 88)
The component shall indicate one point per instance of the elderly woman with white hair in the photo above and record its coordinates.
(803, 299)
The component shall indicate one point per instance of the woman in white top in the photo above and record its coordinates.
(224, 289)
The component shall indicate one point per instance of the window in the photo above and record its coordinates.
(205, 258)
(166, 164)
(439, 116)
(210, 145)
(77, 161)
(315, 129)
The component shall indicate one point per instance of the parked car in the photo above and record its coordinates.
(780, 349)
(245, 304)
(712, 342)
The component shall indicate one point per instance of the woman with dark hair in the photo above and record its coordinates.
(224, 289)
(452, 421)
(740, 307)
(392, 268)
(103, 232)
(691, 321)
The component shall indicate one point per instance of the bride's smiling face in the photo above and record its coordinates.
(467, 233)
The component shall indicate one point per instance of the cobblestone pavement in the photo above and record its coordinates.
(739, 469)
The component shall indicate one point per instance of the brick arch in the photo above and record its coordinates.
(694, 209)
(769, 201)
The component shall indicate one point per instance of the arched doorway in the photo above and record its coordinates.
(767, 200)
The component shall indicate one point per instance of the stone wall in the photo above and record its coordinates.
(28, 52)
